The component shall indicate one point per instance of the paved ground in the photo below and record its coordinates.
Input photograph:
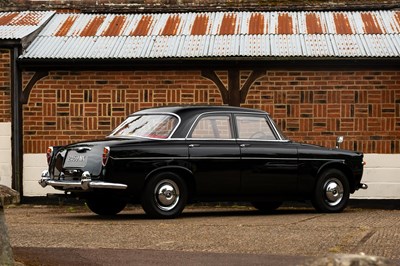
(223, 235)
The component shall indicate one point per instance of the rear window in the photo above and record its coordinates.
(158, 126)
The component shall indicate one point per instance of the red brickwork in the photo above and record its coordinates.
(5, 91)
(310, 106)
(315, 107)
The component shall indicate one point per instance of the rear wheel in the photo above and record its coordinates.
(332, 191)
(164, 195)
(105, 204)
(266, 206)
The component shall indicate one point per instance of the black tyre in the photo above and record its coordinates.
(105, 205)
(332, 191)
(266, 206)
(164, 195)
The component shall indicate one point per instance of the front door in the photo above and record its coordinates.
(214, 155)
(269, 164)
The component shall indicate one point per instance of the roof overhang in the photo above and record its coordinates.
(19, 29)
(207, 63)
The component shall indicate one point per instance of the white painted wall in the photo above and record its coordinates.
(381, 174)
(5, 154)
(34, 164)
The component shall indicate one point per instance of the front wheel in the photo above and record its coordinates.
(332, 192)
(164, 195)
(105, 205)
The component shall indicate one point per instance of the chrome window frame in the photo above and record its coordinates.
(205, 114)
(265, 116)
(234, 129)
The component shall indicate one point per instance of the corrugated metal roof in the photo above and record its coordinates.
(219, 34)
(16, 25)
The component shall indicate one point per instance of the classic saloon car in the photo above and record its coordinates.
(167, 157)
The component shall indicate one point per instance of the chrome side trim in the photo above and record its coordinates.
(85, 183)
(151, 158)
(323, 159)
(215, 158)
(266, 158)
(265, 140)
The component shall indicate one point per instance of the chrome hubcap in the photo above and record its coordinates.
(333, 189)
(166, 195)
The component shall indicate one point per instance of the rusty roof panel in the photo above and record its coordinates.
(115, 26)
(171, 25)
(228, 24)
(313, 24)
(285, 24)
(17, 25)
(342, 23)
(391, 21)
(200, 25)
(256, 24)
(92, 27)
(371, 24)
(219, 34)
(66, 26)
(143, 26)
(6, 18)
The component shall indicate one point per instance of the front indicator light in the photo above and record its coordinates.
(49, 154)
(106, 155)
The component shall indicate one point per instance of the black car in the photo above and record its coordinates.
(167, 157)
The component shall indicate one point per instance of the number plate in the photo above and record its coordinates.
(75, 159)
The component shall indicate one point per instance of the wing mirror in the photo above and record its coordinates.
(339, 140)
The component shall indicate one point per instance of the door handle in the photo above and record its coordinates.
(244, 145)
(194, 145)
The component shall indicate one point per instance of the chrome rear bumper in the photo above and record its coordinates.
(86, 183)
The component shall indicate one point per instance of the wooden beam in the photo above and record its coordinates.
(255, 74)
(234, 95)
(209, 74)
(27, 91)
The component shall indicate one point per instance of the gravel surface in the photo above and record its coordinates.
(289, 231)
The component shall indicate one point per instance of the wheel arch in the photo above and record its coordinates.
(183, 172)
(341, 166)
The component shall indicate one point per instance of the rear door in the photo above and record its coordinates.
(269, 164)
(214, 155)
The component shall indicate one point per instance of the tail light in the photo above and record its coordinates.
(49, 154)
(106, 154)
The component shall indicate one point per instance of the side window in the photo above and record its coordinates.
(213, 127)
(254, 127)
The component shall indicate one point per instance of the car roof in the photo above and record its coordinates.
(198, 109)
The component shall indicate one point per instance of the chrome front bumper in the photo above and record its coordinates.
(85, 183)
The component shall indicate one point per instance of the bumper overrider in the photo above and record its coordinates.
(86, 183)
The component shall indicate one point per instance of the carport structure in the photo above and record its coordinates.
(282, 62)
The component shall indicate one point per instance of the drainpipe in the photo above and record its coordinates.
(17, 121)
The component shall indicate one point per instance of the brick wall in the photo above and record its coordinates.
(67, 106)
(5, 92)
(315, 107)
(310, 106)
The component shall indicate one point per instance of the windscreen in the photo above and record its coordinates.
(159, 126)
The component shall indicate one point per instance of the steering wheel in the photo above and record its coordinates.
(259, 135)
